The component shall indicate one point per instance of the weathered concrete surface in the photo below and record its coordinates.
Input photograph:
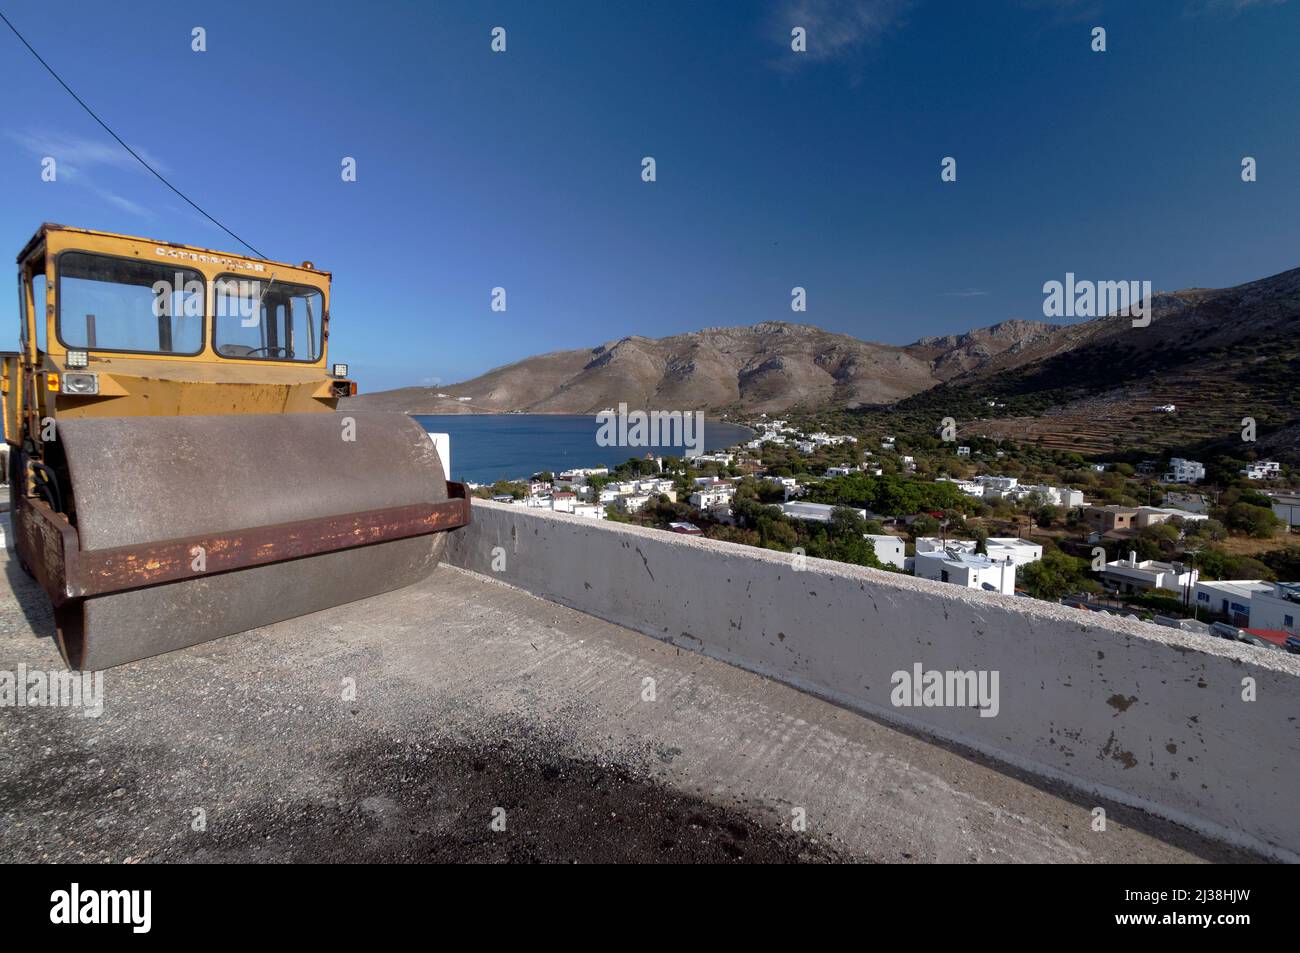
(472, 695)
(1145, 715)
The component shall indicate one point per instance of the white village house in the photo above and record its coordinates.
(966, 569)
(890, 550)
(1263, 470)
(1133, 575)
(1184, 471)
(1230, 597)
(1019, 552)
(817, 512)
(715, 493)
(1278, 611)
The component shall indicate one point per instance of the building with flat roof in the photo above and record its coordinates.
(1155, 515)
(1277, 611)
(1263, 470)
(967, 569)
(1019, 551)
(1230, 597)
(1189, 502)
(817, 512)
(934, 544)
(1133, 575)
(890, 550)
(998, 548)
(1112, 518)
(1184, 471)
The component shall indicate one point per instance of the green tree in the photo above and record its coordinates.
(1257, 521)
(504, 488)
(846, 521)
(1205, 530)
(1055, 575)
(1048, 514)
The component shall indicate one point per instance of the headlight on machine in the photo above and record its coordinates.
(82, 385)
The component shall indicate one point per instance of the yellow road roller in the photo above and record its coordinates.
(177, 468)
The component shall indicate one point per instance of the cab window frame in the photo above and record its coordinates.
(321, 320)
(58, 306)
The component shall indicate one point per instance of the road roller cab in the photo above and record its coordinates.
(178, 471)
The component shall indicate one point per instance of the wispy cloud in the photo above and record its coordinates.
(76, 158)
(968, 293)
(125, 204)
(76, 151)
(836, 29)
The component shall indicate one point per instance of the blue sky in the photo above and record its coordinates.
(522, 169)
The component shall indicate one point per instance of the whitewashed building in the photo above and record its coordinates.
(966, 569)
(1184, 471)
(1133, 575)
(996, 486)
(1020, 552)
(1263, 470)
(633, 504)
(890, 550)
(968, 487)
(1278, 611)
(817, 512)
(1230, 597)
(1053, 495)
(717, 493)
(933, 544)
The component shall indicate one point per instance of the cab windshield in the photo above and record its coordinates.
(267, 319)
(121, 304)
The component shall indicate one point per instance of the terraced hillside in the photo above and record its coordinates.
(1217, 356)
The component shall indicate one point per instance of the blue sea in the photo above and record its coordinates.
(490, 447)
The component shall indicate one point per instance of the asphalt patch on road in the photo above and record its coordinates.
(437, 803)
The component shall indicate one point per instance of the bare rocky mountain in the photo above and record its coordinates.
(767, 367)
(1215, 354)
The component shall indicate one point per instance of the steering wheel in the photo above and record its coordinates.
(282, 352)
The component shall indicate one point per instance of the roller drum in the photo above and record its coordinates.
(142, 480)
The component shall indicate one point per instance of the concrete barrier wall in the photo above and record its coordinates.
(1144, 715)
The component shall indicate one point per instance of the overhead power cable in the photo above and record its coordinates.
(134, 154)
